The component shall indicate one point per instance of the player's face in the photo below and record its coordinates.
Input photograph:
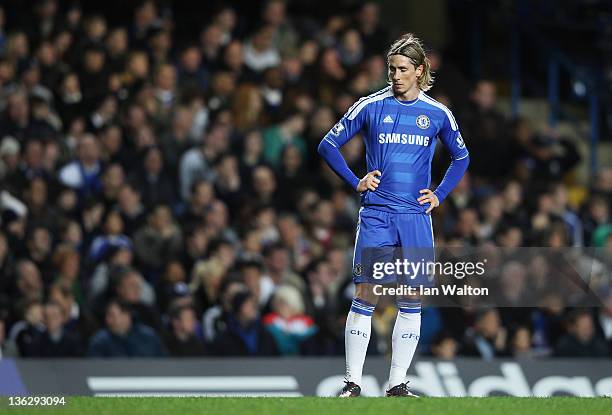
(403, 74)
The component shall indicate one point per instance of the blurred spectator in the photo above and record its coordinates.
(547, 323)
(26, 332)
(157, 241)
(278, 268)
(567, 215)
(372, 32)
(291, 234)
(159, 44)
(171, 285)
(93, 75)
(272, 91)
(132, 291)
(259, 51)
(274, 13)
(331, 75)
(487, 338)
(247, 107)
(145, 17)
(70, 98)
(210, 43)
(483, 124)
(520, 343)
(265, 186)
(444, 346)
(319, 295)
(165, 92)
(116, 257)
(77, 318)
(581, 340)
(38, 244)
(183, 341)
(286, 134)
(67, 261)
(350, 48)
(196, 246)
(116, 49)
(130, 207)
(177, 140)
(124, 337)
(16, 121)
(287, 321)
(229, 183)
(214, 318)
(56, 340)
(492, 213)
(28, 281)
(103, 115)
(112, 180)
(245, 334)
(111, 236)
(191, 73)
(227, 20)
(595, 216)
(84, 173)
(206, 281)
(260, 285)
(196, 163)
(9, 156)
(548, 154)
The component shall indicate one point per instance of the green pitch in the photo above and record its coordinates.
(322, 406)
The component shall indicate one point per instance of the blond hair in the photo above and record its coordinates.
(291, 297)
(207, 274)
(411, 47)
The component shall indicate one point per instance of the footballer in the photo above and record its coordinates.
(399, 125)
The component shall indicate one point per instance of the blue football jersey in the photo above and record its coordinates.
(400, 139)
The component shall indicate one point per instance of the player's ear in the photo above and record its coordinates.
(419, 70)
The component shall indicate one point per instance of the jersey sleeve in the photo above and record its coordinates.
(329, 148)
(451, 137)
(349, 125)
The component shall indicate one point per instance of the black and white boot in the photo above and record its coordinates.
(401, 390)
(350, 390)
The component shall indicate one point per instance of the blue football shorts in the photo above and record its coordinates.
(385, 238)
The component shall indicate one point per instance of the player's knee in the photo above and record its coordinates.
(366, 292)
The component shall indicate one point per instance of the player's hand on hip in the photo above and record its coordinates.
(428, 197)
(369, 182)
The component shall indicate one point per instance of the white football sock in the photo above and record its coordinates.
(357, 337)
(404, 341)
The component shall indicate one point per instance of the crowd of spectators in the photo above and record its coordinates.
(165, 198)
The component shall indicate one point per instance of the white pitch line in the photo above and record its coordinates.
(190, 383)
(195, 394)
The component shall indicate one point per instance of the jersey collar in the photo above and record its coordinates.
(409, 103)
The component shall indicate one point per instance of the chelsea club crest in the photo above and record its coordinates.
(422, 122)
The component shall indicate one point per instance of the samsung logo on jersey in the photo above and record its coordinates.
(397, 138)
